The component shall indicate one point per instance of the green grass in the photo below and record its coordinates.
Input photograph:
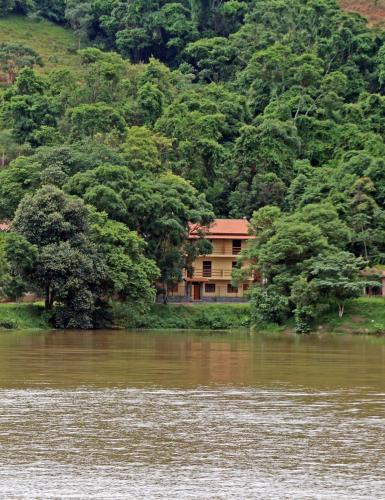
(22, 317)
(181, 317)
(53, 43)
(363, 315)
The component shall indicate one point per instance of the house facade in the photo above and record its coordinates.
(211, 277)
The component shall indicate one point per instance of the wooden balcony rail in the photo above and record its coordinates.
(226, 251)
(214, 273)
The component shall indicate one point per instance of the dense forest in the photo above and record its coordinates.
(185, 111)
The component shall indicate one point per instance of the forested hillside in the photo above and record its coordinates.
(180, 111)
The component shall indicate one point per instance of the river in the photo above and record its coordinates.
(143, 415)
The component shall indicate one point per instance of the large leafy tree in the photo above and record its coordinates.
(76, 261)
(159, 207)
(301, 265)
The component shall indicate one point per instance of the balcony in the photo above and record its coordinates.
(225, 252)
(214, 274)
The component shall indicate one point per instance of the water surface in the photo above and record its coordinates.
(117, 415)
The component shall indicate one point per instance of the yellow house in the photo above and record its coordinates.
(211, 278)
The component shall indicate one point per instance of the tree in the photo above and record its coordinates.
(159, 207)
(79, 15)
(27, 108)
(77, 260)
(130, 275)
(145, 151)
(264, 157)
(62, 263)
(19, 178)
(87, 120)
(301, 266)
(336, 279)
(4, 267)
(198, 154)
(211, 58)
(14, 57)
(51, 9)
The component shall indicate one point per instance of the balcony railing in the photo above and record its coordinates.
(215, 273)
(226, 251)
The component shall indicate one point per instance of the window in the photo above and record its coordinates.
(232, 289)
(173, 289)
(237, 247)
(207, 268)
(210, 288)
(246, 286)
(234, 264)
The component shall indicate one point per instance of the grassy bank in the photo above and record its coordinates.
(197, 316)
(363, 316)
(22, 317)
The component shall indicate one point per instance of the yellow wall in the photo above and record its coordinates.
(221, 268)
(225, 246)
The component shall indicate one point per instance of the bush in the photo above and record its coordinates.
(304, 319)
(184, 317)
(268, 306)
(7, 324)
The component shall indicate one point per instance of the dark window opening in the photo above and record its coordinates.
(207, 269)
(232, 289)
(210, 288)
(237, 247)
(173, 289)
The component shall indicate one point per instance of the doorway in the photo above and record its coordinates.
(196, 291)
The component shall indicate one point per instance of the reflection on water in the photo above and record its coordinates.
(155, 415)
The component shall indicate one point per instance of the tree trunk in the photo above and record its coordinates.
(165, 294)
(47, 297)
(51, 300)
(341, 309)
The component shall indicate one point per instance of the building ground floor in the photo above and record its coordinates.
(208, 290)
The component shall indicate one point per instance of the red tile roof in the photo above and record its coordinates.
(237, 229)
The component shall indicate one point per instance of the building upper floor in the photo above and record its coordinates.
(227, 236)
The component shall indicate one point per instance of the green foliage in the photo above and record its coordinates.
(260, 107)
(202, 317)
(14, 57)
(128, 272)
(302, 267)
(268, 306)
(23, 317)
(87, 120)
(76, 260)
(21, 177)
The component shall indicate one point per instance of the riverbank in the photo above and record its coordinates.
(185, 317)
(23, 317)
(363, 316)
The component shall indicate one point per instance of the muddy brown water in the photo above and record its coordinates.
(120, 415)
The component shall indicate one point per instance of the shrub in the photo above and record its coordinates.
(268, 306)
